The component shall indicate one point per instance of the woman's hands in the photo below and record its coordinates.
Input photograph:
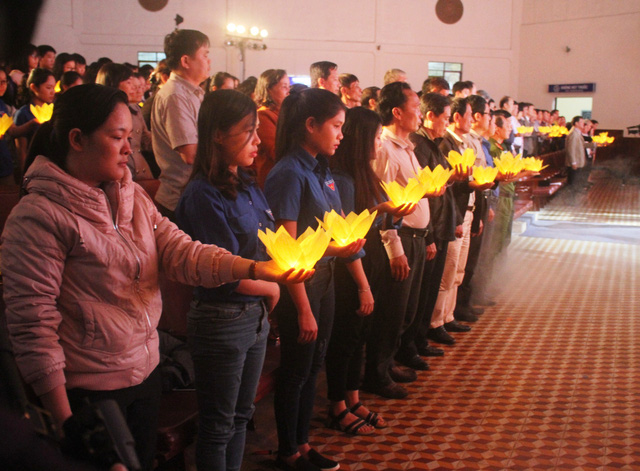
(366, 302)
(307, 326)
(396, 211)
(334, 250)
(270, 271)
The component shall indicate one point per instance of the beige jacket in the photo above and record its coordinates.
(80, 269)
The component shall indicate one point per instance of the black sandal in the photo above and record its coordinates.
(372, 418)
(333, 422)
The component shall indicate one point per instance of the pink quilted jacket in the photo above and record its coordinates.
(80, 268)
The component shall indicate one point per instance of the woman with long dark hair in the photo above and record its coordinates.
(81, 254)
(360, 189)
(300, 188)
(228, 326)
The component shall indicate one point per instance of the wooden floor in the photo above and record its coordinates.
(549, 378)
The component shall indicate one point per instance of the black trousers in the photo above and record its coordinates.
(395, 310)
(428, 297)
(140, 406)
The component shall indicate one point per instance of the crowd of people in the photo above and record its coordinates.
(82, 250)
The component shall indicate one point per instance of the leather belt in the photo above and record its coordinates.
(411, 232)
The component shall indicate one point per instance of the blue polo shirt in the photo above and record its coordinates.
(301, 188)
(207, 215)
(24, 115)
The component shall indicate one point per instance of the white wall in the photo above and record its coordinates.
(604, 38)
(364, 37)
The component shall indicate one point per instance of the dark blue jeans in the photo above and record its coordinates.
(228, 343)
(300, 363)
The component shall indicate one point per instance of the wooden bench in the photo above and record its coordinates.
(540, 188)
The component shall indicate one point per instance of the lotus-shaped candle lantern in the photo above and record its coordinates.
(461, 163)
(558, 131)
(602, 138)
(525, 129)
(544, 129)
(348, 229)
(409, 194)
(533, 164)
(483, 175)
(42, 113)
(508, 165)
(434, 180)
(300, 253)
(5, 123)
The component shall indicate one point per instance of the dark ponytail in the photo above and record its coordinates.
(296, 109)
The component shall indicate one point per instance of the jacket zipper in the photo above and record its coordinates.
(137, 277)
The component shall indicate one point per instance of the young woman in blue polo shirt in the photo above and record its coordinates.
(300, 188)
(228, 325)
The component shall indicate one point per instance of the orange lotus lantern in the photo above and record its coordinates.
(508, 165)
(348, 229)
(461, 163)
(525, 129)
(558, 131)
(5, 123)
(484, 175)
(434, 180)
(533, 164)
(603, 138)
(42, 113)
(301, 253)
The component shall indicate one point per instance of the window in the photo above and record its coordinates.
(451, 71)
(151, 58)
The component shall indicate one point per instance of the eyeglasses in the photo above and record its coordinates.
(3, 82)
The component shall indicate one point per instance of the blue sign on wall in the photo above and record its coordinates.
(573, 88)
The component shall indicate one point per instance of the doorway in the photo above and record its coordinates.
(574, 106)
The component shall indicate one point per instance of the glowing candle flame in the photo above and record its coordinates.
(348, 229)
(42, 113)
(301, 253)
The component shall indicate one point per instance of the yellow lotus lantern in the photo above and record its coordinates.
(348, 229)
(300, 253)
(57, 88)
(603, 138)
(483, 175)
(409, 194)
(5, 123)
(461, 163)
(544, 129)
(525, 129)
(533, 164)
(434, 180)
(42, 113)
(508, 165)
(558, 131)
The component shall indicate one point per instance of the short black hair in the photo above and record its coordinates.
(575, 120)
(459, 86)
(321, 70)
(435, 84)
(433, 102)
(504, 100)
(477, 103)
(369, 93)
(391, 96)
(458, 105)
(44, 48)
(182, 42)
(219, 79)
(79, 59)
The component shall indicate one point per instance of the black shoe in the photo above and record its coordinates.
(455, 326)
(478, 311)
(440, 335)
(464, 315)
(402, 376)
(390, 391)
(301, 464)
(322, 462)
(430, 351)
(415, 363)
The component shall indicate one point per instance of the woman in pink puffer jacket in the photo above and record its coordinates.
(80, 258)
